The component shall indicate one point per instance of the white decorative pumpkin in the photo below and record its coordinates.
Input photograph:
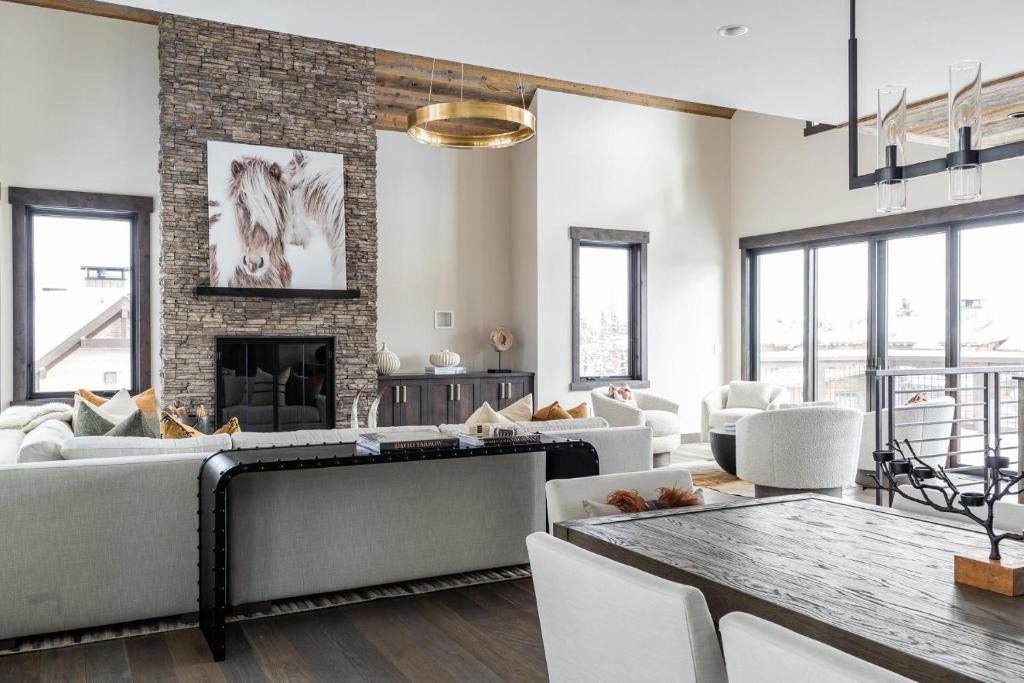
(387, 361)
(444, 359)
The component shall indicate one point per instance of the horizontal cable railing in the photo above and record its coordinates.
(950, 416)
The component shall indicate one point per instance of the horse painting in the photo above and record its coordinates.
(277, 218)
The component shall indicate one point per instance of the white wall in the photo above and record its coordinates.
(783, 181)
(610, 165)
(78, 111)
(443, 221)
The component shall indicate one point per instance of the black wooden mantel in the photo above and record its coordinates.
(270, 293)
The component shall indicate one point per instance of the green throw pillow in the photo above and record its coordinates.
(135, 424)
(88, 422)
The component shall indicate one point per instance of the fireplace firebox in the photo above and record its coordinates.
(276, 384)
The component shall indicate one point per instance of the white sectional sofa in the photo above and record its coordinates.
(104, 537)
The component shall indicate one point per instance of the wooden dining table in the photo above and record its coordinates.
(871, 581)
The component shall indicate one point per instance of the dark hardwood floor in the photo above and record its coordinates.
(480, 633)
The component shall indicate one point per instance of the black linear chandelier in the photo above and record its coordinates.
(962, 163)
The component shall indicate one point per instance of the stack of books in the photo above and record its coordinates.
(456, 370)
(399, 441)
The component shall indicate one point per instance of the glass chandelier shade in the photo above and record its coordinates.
(890, 185)
(964, 168)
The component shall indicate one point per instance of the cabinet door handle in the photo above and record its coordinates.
(458, 392)
(501, 393)
(398, 393)
(451, 393)
(508, 390)
(405, 393)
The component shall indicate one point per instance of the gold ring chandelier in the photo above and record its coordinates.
(419, 121)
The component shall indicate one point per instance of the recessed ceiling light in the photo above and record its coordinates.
(732, 30)
(1016, 115)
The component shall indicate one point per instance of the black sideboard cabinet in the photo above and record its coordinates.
(427, 399)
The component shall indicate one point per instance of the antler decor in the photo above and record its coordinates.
(1010, 579)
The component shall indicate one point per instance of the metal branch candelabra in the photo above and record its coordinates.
(919, 473)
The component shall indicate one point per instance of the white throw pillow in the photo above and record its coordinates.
(520, 411)
(749, 395)
(44, 443)
(486, 415)
(82, 447)
(118, 407)
(595, 509)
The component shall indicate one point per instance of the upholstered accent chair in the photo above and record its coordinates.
(928, 425)
(602, 620)
(758, 651)
(735, 400)
(810, 448)
(660, 414)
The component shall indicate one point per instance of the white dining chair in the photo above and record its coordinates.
(565, 496)
(758, 651)
(605, 621)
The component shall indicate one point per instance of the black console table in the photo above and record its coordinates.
(565, 459)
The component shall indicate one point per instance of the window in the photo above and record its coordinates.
(780, 320)
(841, 324)
(916, 302)
(609, 303)
(81, 293)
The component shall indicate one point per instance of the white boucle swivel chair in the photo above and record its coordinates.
(660, 414)
(801, 449)
(730, 403)
(602, 620)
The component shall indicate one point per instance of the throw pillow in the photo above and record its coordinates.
(173, 428)
(622, 394)
(230, 427)
(145, 401)
(521, 410)
(88, 421)
(485, 415)
(133, 425)
(552, 412)
(749, 395)
(580, 412)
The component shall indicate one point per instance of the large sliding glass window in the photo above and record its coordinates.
(841, 342)
(991, 315)
(780, 319)
(916, 302)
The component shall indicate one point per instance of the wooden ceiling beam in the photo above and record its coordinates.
(96, 8)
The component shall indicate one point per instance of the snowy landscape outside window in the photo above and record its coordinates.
(608, 307)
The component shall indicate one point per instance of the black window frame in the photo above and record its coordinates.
(26, 204)
(950, 221)
(635, 241)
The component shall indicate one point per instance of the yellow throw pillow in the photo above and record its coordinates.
(579, 412)
(231, 427)
(172, 428)
(552, 412)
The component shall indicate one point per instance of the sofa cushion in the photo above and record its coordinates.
(559, 425)
(749, 395)
(662, 422)
(486, 415)
(10, 442)
(520, 411)
(44, 443)
(730, 416)
(81, 447)
(555, 411)
(302, 437)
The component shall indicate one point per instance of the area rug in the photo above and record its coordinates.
(290, 606)
(724, 483)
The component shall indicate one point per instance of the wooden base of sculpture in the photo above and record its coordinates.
(1003, 577)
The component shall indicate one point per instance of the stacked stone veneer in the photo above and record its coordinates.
(230, 83)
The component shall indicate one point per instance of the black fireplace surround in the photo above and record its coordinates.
(276, 384)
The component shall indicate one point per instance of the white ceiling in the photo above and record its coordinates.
(791, 63)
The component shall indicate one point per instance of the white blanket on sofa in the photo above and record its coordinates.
(27, 418)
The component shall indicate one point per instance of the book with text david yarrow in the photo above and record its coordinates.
(398, 441)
